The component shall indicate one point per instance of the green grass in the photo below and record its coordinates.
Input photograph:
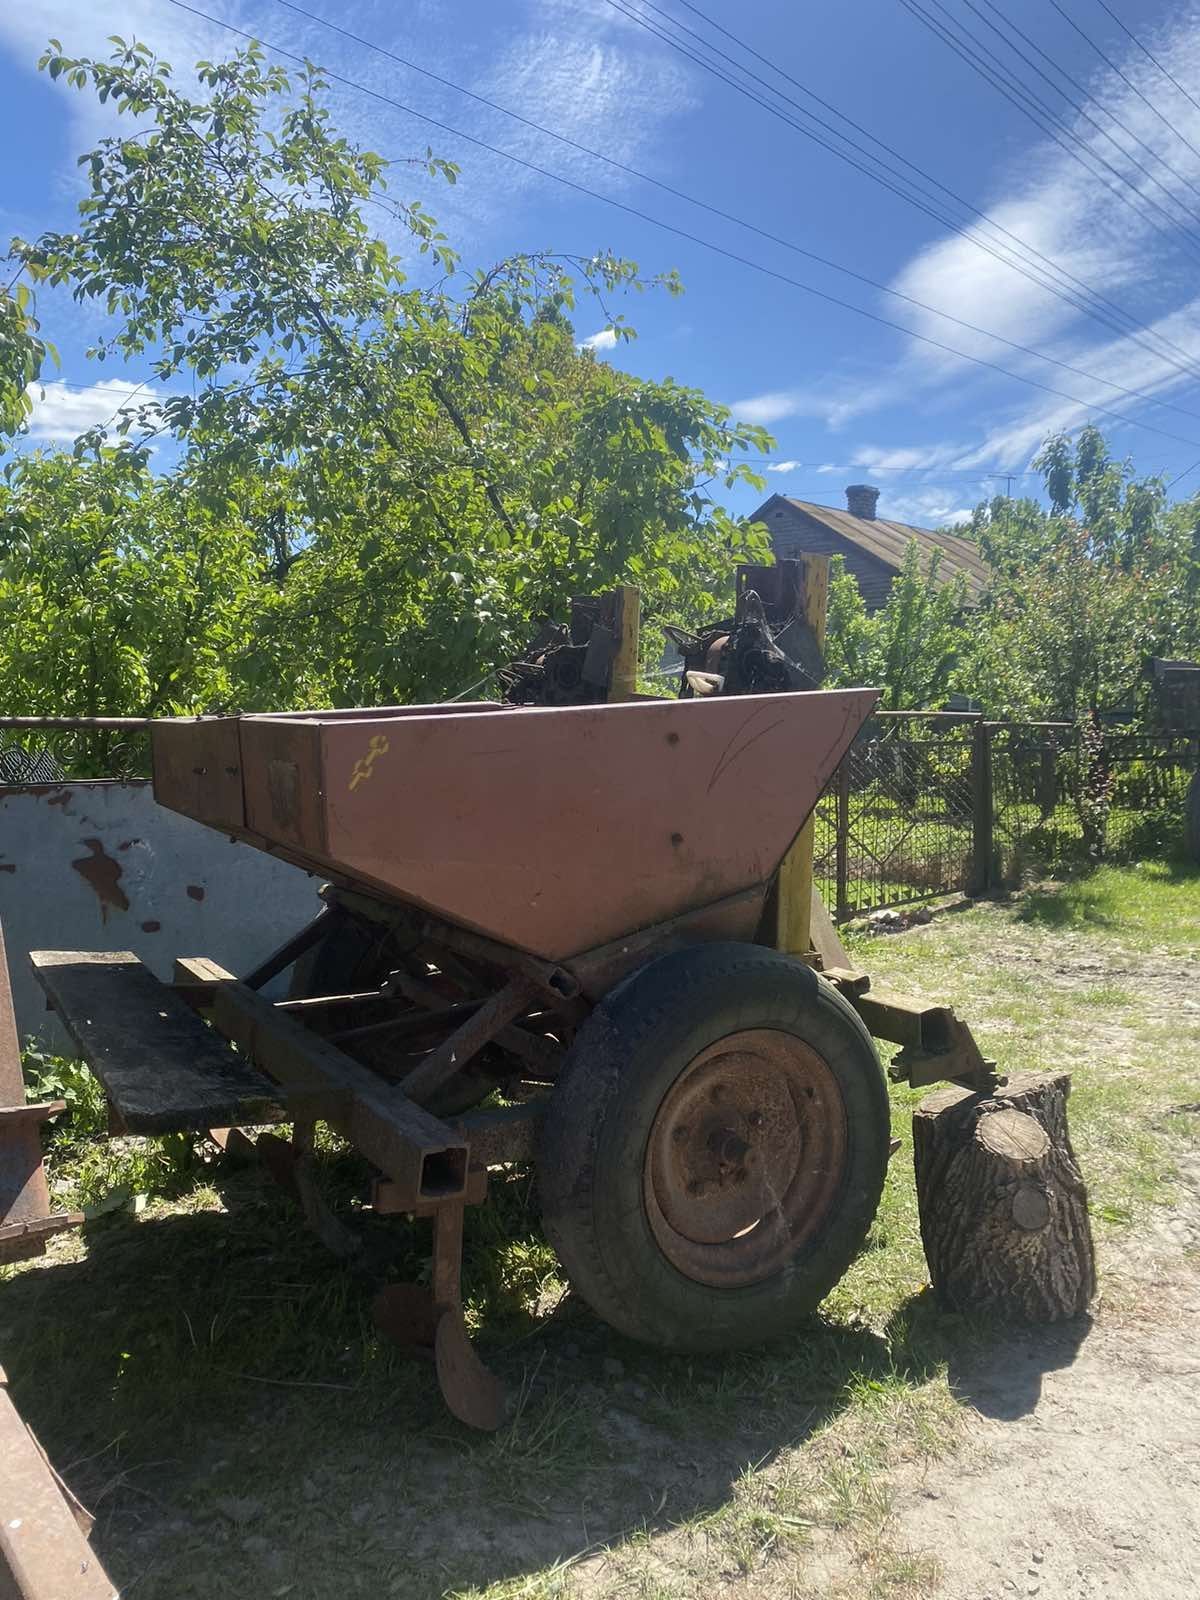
(212, 1382)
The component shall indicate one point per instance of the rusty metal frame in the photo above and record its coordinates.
(936, 1046)
(44, 1549)
(26, 1220)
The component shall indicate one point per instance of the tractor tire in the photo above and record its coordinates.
(1191, 819)
(713, 1153)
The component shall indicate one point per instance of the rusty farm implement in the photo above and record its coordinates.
(578, 935)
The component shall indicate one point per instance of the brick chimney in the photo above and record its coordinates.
(861, 499)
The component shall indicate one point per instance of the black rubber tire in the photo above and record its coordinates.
(1191, 822)
(627, 1055)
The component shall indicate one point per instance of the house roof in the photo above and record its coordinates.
(888, 541)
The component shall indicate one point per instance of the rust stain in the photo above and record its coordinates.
(195, 892)
(103, 874)
(151, 927)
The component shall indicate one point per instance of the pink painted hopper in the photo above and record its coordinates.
(552, 830)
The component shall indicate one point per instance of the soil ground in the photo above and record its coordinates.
(210, 1383)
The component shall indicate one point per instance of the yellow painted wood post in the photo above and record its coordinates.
(793, 927)
(623, 678)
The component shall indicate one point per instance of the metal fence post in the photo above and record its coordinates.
(983, 807)
(842, 840)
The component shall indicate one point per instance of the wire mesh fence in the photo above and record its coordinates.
(1034, 786)
(1149, 778)
(897, 822)
(931, 805)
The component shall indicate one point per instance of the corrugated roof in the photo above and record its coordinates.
(889, 540)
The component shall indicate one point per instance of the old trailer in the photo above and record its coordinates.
(549, 935)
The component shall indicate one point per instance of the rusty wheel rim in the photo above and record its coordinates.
(745, 1157)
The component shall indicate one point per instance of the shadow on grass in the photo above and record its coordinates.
(212, 1385)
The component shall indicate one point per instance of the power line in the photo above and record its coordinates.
(1087, 307)
(1040, 110)
(1112, 65)
(1150, 57)
(683, 233)
(727, 216)
(1095, 296)
(1180, 177)
(874, 466)
(1041, 115)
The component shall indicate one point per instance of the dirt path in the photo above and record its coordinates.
(1081, 1474)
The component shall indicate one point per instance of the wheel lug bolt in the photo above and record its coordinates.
(679, 1135)
(755, 1119)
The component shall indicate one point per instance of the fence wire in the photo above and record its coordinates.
(896, 823)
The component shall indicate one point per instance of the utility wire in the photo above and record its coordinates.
(1043, 117)
(1088, 40)
(741, 222)
(683, 233)
(1088, 309)
(1180, 177)
(1094, 295)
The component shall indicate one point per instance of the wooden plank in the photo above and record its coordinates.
(163, 1069)
(793, 931)
(624, 674)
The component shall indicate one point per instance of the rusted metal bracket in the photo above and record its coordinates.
(430, 1321)
(549, 979)
(289, 1161)
(537, 1051)
(441, 1066)
(422, 1154)
(936, 1046)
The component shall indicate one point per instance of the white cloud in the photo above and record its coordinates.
(61, 413)
(834, 401)
(1071, 217)
(592, 78)
(604, 340)
(783, 466)
(765, 408)
(932, 507)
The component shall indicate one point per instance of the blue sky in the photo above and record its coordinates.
(847, 398)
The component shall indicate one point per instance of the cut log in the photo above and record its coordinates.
(1003, 1205)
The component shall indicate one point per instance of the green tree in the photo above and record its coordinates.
(911, 646)
(414, 473)
(22, 353)
(118, 593)
(1082, 594)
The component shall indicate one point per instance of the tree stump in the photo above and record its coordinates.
(1003, 1205)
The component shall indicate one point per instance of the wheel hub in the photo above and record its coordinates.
(744, 1157)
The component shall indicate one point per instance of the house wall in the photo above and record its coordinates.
(794, 532)
(102, 866)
